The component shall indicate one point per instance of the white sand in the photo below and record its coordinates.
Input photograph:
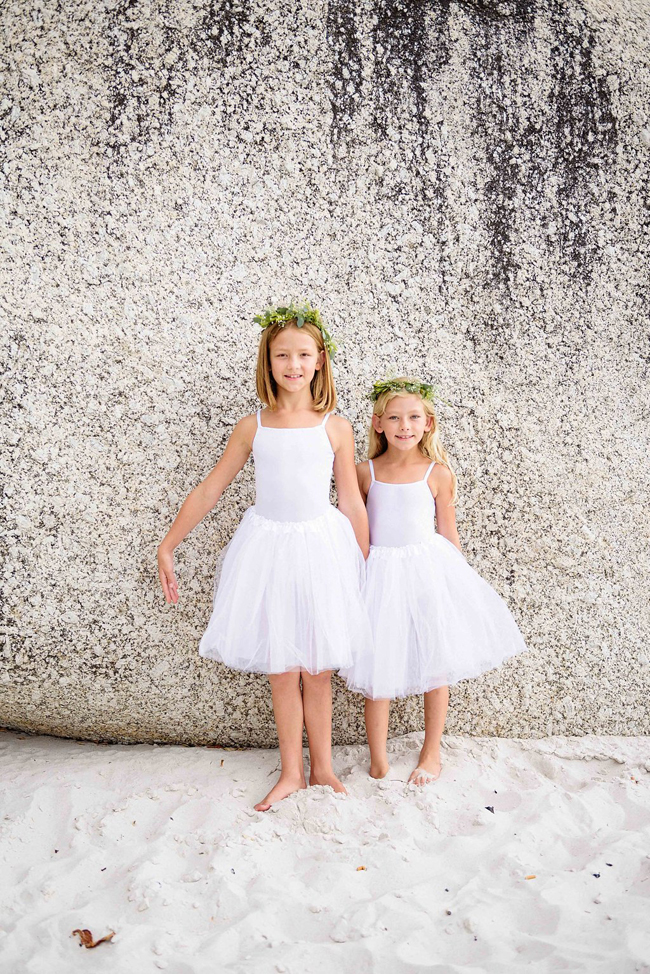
(161, 845)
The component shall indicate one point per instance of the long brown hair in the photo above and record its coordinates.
(323, 390)
(431, 443)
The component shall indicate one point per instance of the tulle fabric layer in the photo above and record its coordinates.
(435, 622)
(288, 596)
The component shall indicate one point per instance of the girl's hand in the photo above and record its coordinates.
(166, 574)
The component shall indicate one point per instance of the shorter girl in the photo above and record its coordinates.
(435, 620)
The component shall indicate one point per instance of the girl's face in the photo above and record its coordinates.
(294, 359)
(404, 422)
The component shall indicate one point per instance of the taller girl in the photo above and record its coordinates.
(288, 589)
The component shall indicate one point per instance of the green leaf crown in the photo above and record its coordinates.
(422, 389)
(300, 312)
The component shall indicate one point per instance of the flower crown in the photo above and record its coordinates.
(422, 389)
(300, 313)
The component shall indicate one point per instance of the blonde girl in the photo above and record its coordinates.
(435, 621)
(287, 597)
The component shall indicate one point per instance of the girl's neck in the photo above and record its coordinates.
(399, 458)
(297, 402)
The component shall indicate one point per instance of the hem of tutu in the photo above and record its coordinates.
(245, 666)
(419, 689)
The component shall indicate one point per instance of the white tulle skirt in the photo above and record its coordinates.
(435, 621)
(288, 596)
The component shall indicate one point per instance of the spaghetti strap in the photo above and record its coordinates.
(259, 418)
(327, 416)
(429, 469)
(372, 471)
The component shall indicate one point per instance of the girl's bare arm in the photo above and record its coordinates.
(347, 486)
(363, 479)
(202, 499)
(440, 483)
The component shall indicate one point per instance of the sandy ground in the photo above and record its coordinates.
(525, 854)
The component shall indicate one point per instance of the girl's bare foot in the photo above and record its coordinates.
(428, 769)
(327, 778)
(379, 769)
(286, 785)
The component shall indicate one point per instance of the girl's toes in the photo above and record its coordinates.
(420, 777)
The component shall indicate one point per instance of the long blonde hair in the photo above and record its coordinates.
(431, 443)
(322, 385)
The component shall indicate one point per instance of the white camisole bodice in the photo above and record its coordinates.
(293, 471)
(400, 514)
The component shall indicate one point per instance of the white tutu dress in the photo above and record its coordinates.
(435, 621)
(288, 585)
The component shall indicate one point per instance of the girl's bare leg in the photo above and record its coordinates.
(288, 713)
(435, 711)
(317, 701)
(377, 712)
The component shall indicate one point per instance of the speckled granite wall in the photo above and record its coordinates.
(459, 186)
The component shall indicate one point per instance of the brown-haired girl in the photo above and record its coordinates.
(435, 621)
(288, 597)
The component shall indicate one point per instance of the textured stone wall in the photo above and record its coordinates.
(459, 187)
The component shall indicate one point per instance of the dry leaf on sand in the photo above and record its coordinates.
(86, 938)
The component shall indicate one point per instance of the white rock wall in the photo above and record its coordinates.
(459, 186)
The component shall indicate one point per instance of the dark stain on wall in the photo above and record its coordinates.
(233, 36)
(146, 78)
(568, 137)
(403, 60)
(152, 59)
(410, 46)
(584, 135)
(222, 29)
(563, 139)
(410, 42)
(346, 77)
(499, 35)
(224, 38)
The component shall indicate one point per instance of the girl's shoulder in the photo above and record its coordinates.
(247, 421)
(363, 470)
(245, 429)
(338, 422)
(363, 476)
(339, 430)
(441, 480)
